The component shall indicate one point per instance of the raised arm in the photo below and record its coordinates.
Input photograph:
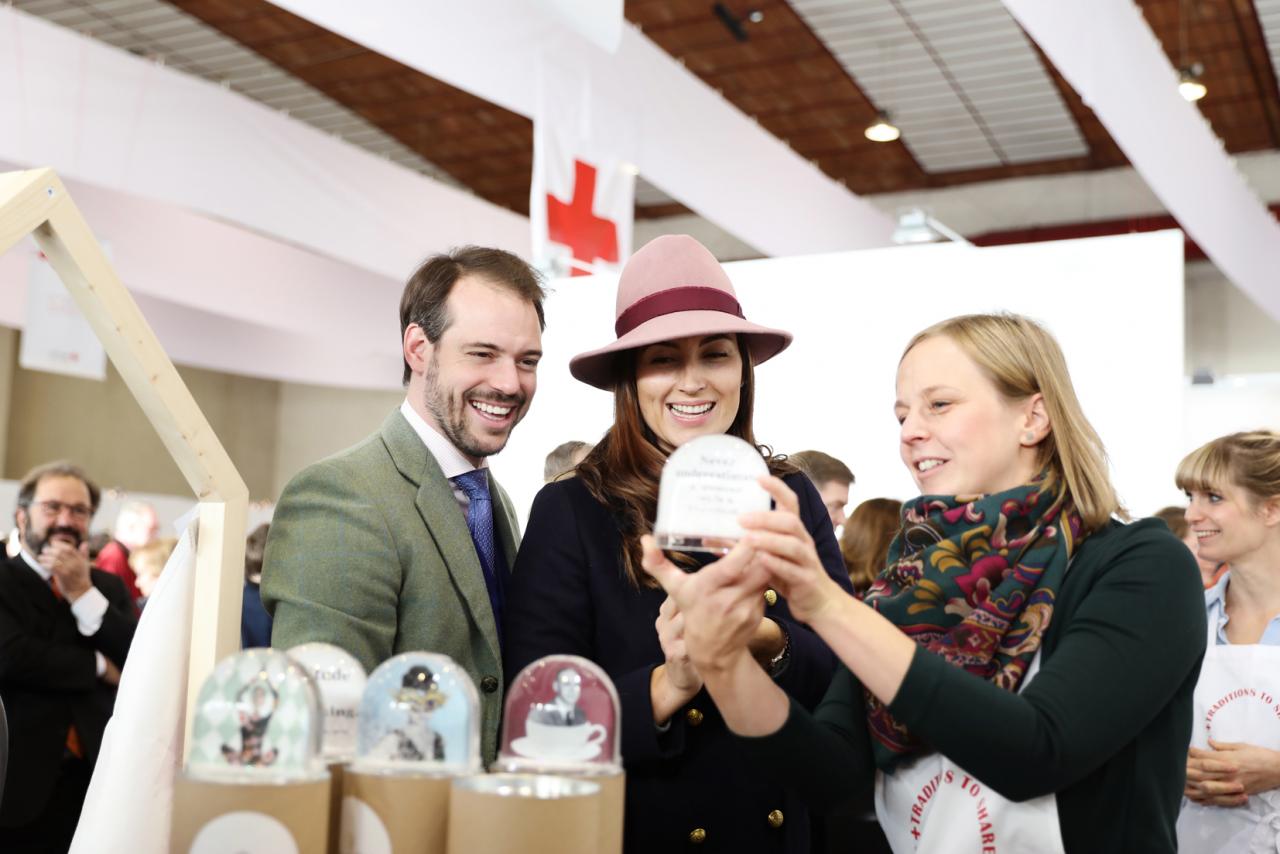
(1133, 642)
(811, 663)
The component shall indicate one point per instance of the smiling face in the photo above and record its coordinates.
(689, 387)
(959, 435)
(60, 510)
(1227, 524)
(475, 383)
(568, 687)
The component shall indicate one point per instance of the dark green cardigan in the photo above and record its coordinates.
(1105, 723)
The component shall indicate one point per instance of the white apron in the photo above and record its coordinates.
(932, 806)
(1237, 699)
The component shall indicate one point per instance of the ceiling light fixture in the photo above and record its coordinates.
(1190, 86)
(882, 130)
(915, 225)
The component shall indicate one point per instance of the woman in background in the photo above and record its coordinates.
(864, 543)
(1233, 767)
(147, 562)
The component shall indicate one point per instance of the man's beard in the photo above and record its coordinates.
(451, 413)
(36, 544)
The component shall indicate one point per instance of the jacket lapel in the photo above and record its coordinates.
(504, 522)
(443, 519)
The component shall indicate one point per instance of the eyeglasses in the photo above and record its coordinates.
(55, 508)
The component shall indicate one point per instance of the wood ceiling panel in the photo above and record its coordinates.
(1224, 35)
(264, 28)
(386, 90)
(485, 147)
(307, 50)
(784, 76)
(808, 101)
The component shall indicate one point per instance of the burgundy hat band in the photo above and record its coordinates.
(686, 298)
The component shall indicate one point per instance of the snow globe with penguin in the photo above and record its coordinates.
(419, 727)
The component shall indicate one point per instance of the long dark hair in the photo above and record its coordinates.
(623, 470)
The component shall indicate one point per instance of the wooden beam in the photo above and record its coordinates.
(27, 200)
(37, 202)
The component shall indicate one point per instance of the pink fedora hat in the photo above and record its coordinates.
(673, 288)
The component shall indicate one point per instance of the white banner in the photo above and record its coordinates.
(56, 337)
(142, 746)
(582, 197)
(598, 21)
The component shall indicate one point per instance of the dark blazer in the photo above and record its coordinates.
(49, 681)
(255, 622)
(568, 594)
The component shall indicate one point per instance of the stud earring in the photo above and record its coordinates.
(1030, 437)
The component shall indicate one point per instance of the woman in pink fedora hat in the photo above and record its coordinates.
(682, 366)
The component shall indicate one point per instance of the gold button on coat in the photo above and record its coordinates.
(697, 836)
(771, 597)
(775, 818)
(693, 716)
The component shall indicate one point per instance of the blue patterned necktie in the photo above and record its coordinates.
(475, 485)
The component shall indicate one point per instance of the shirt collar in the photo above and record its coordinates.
(451, 461)
(31, 562)
(1215, 602)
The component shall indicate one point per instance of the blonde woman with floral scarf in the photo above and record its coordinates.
(1019, 677)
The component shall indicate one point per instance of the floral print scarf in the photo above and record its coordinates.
(973, 578)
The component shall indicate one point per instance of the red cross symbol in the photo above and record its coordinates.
(574, 225)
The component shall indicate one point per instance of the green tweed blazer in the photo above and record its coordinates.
(369, 551)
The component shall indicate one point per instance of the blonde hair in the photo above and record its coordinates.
(151, 558)
(1250, 461)
(864, 542)
(1021, 359)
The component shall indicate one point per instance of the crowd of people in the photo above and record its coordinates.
(1005, 662)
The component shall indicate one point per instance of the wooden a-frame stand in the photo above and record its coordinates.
(35, 202)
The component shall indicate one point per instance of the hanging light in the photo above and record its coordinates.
(916, 225)
(1190, 85)
(882, 130)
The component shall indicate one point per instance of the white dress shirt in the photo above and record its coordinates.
(447, 456)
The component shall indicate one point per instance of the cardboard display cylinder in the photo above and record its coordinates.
(254, 818)
(336, 782)
(613, 800)
(394, 814)
(524, 814)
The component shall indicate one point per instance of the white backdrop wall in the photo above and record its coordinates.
(1115, 304)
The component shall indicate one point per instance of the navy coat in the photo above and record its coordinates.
(568, 594)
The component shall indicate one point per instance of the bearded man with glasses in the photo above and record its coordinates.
(65, 630)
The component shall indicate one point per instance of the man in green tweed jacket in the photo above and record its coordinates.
(403, 542)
